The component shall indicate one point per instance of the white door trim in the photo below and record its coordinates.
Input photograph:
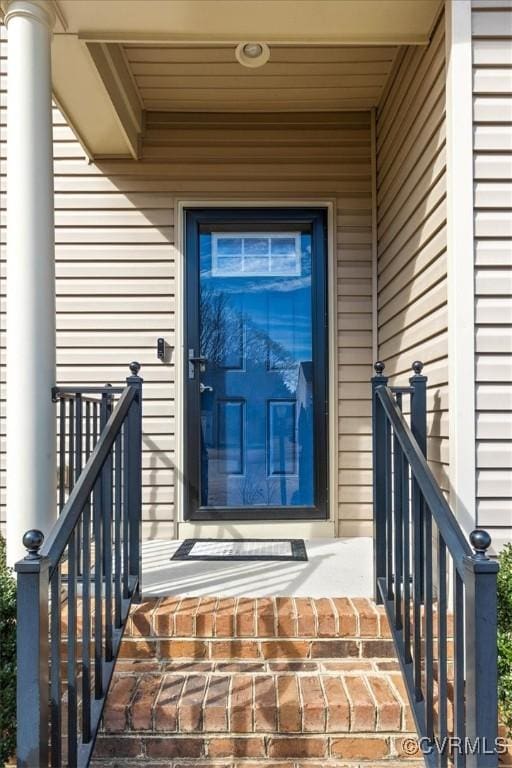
(309, 529)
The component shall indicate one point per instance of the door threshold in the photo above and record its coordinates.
(267, 529)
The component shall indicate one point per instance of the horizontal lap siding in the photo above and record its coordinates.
(116, 258)
(411, 195)
(492, 105)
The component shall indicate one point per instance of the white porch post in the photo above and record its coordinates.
(31, 425)
(460, 261)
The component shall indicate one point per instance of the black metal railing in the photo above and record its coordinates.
(429, 580)
(75, 588)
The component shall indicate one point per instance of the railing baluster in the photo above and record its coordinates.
(71, 447)
(95, 423)
(88, 430)
(429, 626)
(417, 565)
(126, 519)
(55, 670)
(459, 730)
(78, 435)
(98, 584)
(86, 597)
(62, 453)
(106, 488)
(389, 512)
(78, 471)
(96, 533)
(406, 536)
(117, 530)
(442, 655)
(86, 625)
(398, 532)
(419, 430)
(72, 656)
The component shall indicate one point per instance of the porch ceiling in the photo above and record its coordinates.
(296, 78)
(179, 56)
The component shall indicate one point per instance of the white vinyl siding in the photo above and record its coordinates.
(492, 115)
(411, 196)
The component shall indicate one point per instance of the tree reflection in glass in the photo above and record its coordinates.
(256, 333)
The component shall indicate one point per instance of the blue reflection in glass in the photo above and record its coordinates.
(256, 333)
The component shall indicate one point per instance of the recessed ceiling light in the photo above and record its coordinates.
(252, 50)
(252, 54)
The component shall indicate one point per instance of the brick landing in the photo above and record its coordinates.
(243, 683)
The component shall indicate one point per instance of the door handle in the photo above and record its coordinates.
(194, 360)
(204, 387)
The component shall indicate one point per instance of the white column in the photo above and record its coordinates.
(460, 261)
(31, 425)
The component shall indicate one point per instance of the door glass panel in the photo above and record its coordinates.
(257, 383)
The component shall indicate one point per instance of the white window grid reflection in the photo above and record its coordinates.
(256, 254)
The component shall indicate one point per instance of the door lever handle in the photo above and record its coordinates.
(204, 387)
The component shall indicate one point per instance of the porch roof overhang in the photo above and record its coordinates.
(101, 87)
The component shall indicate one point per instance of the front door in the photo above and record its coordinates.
(256, 367)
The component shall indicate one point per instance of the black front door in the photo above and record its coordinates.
(256, 372)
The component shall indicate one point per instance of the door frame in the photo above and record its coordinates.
(311, 527)
(245, 217)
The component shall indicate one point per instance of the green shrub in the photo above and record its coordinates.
(505, 636)
(7, 659)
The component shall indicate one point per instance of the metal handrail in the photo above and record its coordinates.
(58, 538)
(416, 538)
(92, 556)
(432, 494)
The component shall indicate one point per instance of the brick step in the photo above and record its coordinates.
(210, 617)
(190, 701)
(257, 629)
(255, 751)
(283, 682)
(358, 714)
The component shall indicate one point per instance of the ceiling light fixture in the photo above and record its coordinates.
(252, 54)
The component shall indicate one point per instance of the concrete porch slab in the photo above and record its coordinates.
(335, 567)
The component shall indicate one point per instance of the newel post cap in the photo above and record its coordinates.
(480, 541)
(33, 541)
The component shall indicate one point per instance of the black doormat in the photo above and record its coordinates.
(241, 549)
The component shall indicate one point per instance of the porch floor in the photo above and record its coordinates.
(334, 567)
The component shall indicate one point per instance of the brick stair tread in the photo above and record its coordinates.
(210, 617)
(194, 701)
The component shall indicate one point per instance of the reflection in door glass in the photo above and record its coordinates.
(256, 333)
